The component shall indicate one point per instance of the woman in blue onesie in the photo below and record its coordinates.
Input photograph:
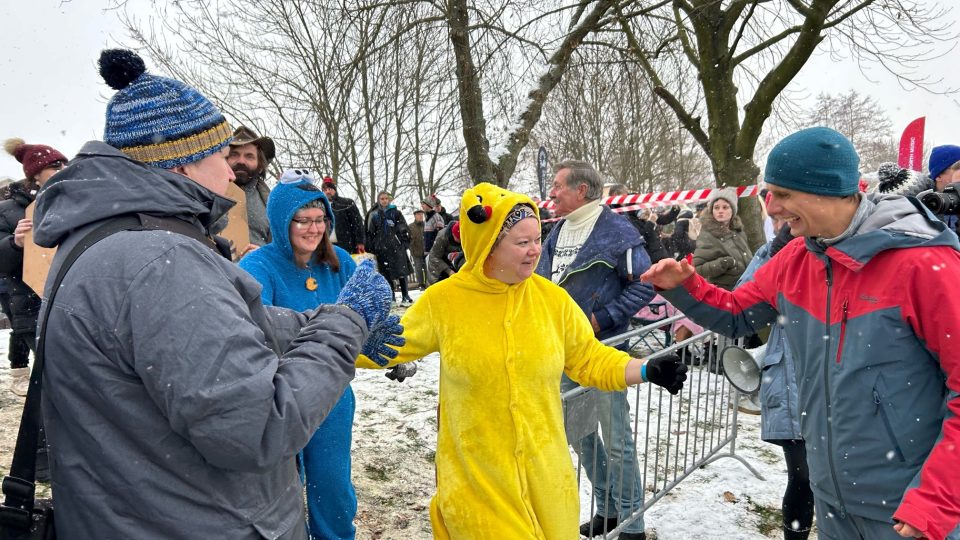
(301, 269)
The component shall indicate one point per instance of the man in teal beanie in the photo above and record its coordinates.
(866, 300)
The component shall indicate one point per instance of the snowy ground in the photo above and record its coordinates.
(395, 438)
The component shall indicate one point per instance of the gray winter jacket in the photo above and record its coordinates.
(871, 323)
(168, 412)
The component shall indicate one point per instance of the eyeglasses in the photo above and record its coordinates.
(305, 223)
(56, 165)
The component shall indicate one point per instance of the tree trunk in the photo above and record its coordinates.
(479, 165)
(744, 172)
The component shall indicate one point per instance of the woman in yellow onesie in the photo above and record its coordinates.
(505, 335)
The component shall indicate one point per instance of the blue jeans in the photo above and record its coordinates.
(331, 499)
(611, 462)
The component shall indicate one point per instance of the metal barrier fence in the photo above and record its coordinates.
(674, 435)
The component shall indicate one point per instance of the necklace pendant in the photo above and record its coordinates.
(311, 284)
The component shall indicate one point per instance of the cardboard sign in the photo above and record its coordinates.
(237, 230)
(36, 259)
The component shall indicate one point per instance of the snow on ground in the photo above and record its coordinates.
(394, 440)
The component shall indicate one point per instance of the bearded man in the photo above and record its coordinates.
(249, 157)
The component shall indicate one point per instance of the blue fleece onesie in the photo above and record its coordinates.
(331, 499)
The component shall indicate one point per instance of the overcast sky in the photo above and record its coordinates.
(51, 93)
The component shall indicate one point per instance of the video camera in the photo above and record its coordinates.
(946, 203)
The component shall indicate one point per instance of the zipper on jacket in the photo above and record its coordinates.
(886, 424)
(577, 271)
(826, 393)
(843, 330)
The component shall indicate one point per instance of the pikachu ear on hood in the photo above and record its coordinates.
(483, 209)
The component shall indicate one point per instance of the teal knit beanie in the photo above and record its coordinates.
(815, 160)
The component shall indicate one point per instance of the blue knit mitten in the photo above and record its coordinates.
(388, 332)
(367, 293)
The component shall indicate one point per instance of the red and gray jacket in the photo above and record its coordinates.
(873, 322)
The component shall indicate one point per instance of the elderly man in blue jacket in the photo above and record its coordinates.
(597, 256)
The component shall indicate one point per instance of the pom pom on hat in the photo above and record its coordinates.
(33, 157)
(159, 121)
(120, 67)
(897, 181)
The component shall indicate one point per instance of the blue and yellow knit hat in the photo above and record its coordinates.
(159, 121)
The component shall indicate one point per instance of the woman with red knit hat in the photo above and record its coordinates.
(40, 162)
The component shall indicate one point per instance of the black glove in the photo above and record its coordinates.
(400, 372)
(667, 371)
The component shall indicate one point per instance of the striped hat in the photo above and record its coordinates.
(159, 121)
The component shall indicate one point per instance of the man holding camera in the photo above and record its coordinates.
(866, 302)
(944, 167)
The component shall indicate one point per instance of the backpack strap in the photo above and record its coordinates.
(18, 486)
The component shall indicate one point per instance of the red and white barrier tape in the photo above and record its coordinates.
(666, 198)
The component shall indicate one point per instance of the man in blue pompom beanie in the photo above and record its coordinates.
(174, 401)
(867, 300)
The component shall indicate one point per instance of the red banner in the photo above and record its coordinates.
(911, 145)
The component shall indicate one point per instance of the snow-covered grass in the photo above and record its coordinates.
(394, 439)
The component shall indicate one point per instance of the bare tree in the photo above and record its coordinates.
(604, 111)
(301, 71)
(746, 52)
(860, 119)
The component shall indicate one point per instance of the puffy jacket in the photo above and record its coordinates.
(604, 278)
(443, 257)
(722, 253)
(388, 238)
(871, 322)
(24, 302)
(162, 374)
(779, 409)
(348, 225)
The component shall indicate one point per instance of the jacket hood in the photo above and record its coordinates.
(102, 182)
(483, 209)
(895, 222)
(284, 201)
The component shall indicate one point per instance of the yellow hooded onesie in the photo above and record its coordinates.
(503, 468)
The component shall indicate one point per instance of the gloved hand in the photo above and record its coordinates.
(400, 372)
(387, 332)
(666, 371)
(367, 293)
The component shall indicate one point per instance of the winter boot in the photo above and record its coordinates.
(749, 404)
(633, 536)
(20, 381)
(599, 525)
